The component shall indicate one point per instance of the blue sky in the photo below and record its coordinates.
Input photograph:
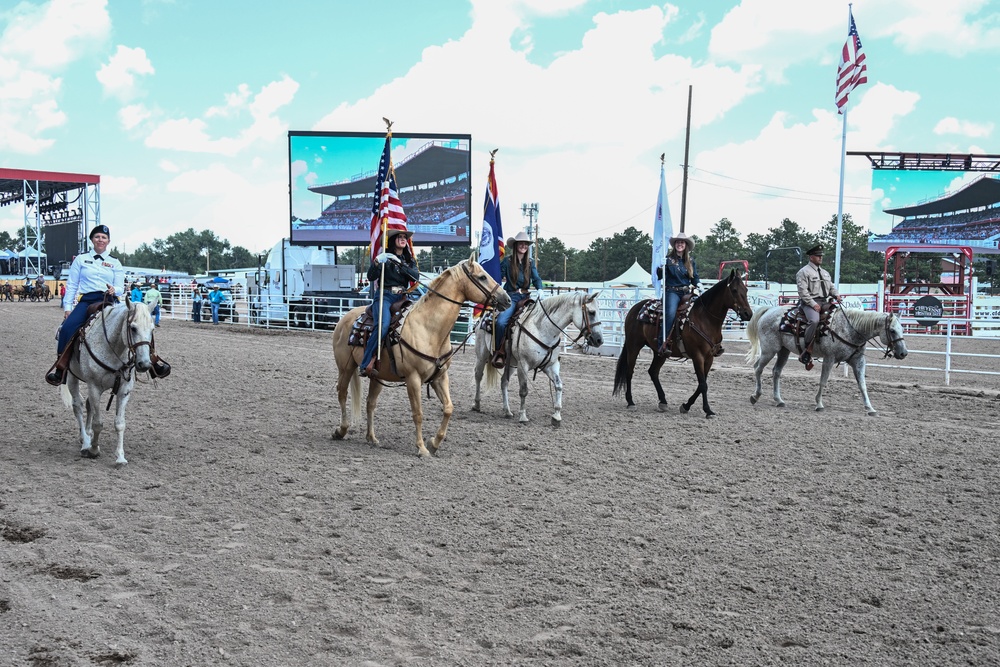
(183, 106)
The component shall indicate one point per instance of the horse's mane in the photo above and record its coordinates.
(865, 321)
(142, 316)
(437, 280)
(709, 295)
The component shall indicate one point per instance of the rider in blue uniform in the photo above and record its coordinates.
(400, 271)
(91, 276)
(680, 276)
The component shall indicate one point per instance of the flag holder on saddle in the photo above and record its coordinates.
(364, 327)
(795, 323)
(488, 325)
(651, 314)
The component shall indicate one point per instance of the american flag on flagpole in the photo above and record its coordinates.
(387, 209)
(853, 70)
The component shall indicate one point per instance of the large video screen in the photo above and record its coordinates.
(935, 207)
(332, 186)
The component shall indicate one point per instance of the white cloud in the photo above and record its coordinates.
(133, 115)
(952, 125)
(118, 75)
(193, 135)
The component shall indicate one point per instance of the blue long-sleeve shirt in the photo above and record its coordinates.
(524, 280)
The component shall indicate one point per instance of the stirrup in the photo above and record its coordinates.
(499, 360)
(55, 377)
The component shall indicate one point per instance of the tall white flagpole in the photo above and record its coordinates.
(840, 200)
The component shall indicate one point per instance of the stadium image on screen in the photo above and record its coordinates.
(935, 207)
(332, 186)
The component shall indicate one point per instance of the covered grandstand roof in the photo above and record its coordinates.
(984, 191)
(49, 182)
(434, 163)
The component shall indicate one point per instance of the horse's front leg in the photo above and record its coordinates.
(824, 377)
(416, 409)
(120, 403)
(94, 424)
(701, 372)
(482, 357)
(654, 375)
(779, 367)
(504, 386)
(82, 418)
(552, 370)
(442, 388)
(859, 374)
(374, 389)
(522, 381)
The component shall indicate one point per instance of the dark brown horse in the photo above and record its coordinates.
(699, 340)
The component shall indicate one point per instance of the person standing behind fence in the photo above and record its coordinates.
(216, 298)
(154, 300)
(135, 294)
(196, 305)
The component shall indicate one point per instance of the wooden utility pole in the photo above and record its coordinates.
(687, 147)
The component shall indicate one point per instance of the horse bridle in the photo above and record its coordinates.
(129, 364)
(491, 295)
(889, 337)
(586, 330)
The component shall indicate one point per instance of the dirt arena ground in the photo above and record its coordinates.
(241, 534)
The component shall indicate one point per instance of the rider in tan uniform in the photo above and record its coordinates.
(815, 287)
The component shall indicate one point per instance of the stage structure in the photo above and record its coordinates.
(58, 208)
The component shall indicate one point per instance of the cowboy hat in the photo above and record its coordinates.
(683, 237)
(521, 237)
(393, 233)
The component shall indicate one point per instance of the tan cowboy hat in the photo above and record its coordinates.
(393, 233)
(521, 237)
(683, 237)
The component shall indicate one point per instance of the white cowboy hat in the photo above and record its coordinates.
(683, 237)
(521, 237)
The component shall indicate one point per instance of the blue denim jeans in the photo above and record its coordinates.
(381, 323)
(503, 319)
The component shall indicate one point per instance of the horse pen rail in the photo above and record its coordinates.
(241, 534)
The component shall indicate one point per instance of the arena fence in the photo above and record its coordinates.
(322, 314)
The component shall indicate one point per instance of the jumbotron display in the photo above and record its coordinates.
(332, 186)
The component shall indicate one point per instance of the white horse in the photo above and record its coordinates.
(112, 349)
(537, 342)
(850, 331)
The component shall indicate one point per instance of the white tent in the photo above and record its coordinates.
(635, 276)
(30, 252)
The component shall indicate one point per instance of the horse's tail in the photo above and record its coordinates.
(67, 398)
(621, 368)
(753, 335)
(492, 379)
(621, 372)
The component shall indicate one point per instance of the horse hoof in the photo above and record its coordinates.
(684, 410)
(556, 422)
(120, 464)
(753, 400)
(631, 407)
(88, 454)
(662, 407)
(709, 415)
(338, 435)
(872, 413)
(820, 409)
(523, 420)
(780, 404)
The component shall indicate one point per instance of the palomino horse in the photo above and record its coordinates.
(536, 343)
(421, 356)
(699, 340)
(850, 331)
(112, 349)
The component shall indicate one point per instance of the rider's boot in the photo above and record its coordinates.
(807, 343)
(57, 374)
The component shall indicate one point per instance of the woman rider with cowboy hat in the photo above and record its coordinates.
(680, 276)
(91, 276)
(518, 276)
(400, 271)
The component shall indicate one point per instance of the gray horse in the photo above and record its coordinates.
(537, 342)
(114, 347)
(850, 331)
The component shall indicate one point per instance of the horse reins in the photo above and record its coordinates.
(128, 365)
